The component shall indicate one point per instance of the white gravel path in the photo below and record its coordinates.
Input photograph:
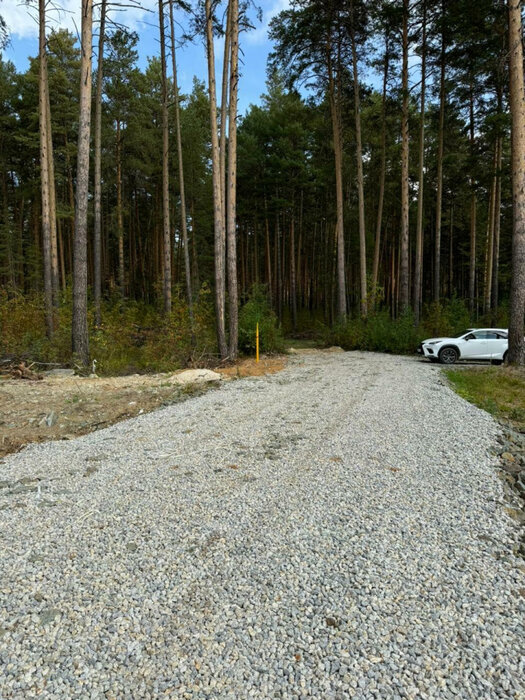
(337, 530)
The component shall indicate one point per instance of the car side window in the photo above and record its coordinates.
(492, 336)
(482, 335)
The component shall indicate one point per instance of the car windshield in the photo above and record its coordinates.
(462, 333)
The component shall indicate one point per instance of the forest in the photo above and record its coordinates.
(375, 196)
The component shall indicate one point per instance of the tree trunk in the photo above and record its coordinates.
(165, 168)
(97, 203)
(517, 107)
(497, 228)
(403, 262)
(268, 253)
(382, 177)
(489, 244)
(44, 170)
(293, 290)
(473, 211)
(439, 191)
(52, 202)
(359, 157)
(224, 107)
(79, 327)
(231, 197)
(338, 158)
(218, 216)
(120, 224)
(184, 223)
(418, 267)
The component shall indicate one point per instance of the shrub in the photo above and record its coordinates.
(379, 332)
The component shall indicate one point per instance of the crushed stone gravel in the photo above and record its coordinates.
(337, 530)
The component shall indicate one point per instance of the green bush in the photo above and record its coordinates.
(257, 310)
(133, 336)
(379, 332)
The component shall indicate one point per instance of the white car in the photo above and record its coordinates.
(474, 344)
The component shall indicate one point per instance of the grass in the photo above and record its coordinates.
(497, 390)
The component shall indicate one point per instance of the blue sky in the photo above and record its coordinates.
(191, 59)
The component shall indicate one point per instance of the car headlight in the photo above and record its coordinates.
(435, 342)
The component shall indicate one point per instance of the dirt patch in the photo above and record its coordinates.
(249, 368)
(58, 408)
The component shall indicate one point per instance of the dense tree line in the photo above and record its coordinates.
(375, 174)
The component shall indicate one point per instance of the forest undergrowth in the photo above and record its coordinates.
(137, 338)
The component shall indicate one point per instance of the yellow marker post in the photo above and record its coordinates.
(257, 343)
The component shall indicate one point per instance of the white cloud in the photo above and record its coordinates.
(260, 34)
(21, 17)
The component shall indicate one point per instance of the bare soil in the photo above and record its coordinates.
(78, 405)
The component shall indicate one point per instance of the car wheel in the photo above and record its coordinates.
(496, 362)
(448, 356)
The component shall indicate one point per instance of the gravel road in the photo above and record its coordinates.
(337, 530)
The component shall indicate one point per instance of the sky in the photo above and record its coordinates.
(191, 59)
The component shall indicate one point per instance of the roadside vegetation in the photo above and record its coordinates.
(497, 390)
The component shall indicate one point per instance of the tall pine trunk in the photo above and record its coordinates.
(517, 107)
(439, 191)
(489, 243)
(359, 157)
(418, 265)
(338, 158)
(497, 228)
(403, 261)
(166, 231)
(382, 176)
(44, 170)
(120, 222)
(218, 216)
(473, 211)
(97, 198)
(52, 202)
(79, 327)
(183, 216)
(231, 198)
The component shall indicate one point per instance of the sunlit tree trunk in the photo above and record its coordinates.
(231, 199)
(44, 170)
(80, 328)
(224, 108)
(52, 202)
(218, 216)
(517, 107)
(97, 198)
(184, 222)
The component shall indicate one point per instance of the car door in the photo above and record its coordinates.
(497, 343)
(475, 346)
